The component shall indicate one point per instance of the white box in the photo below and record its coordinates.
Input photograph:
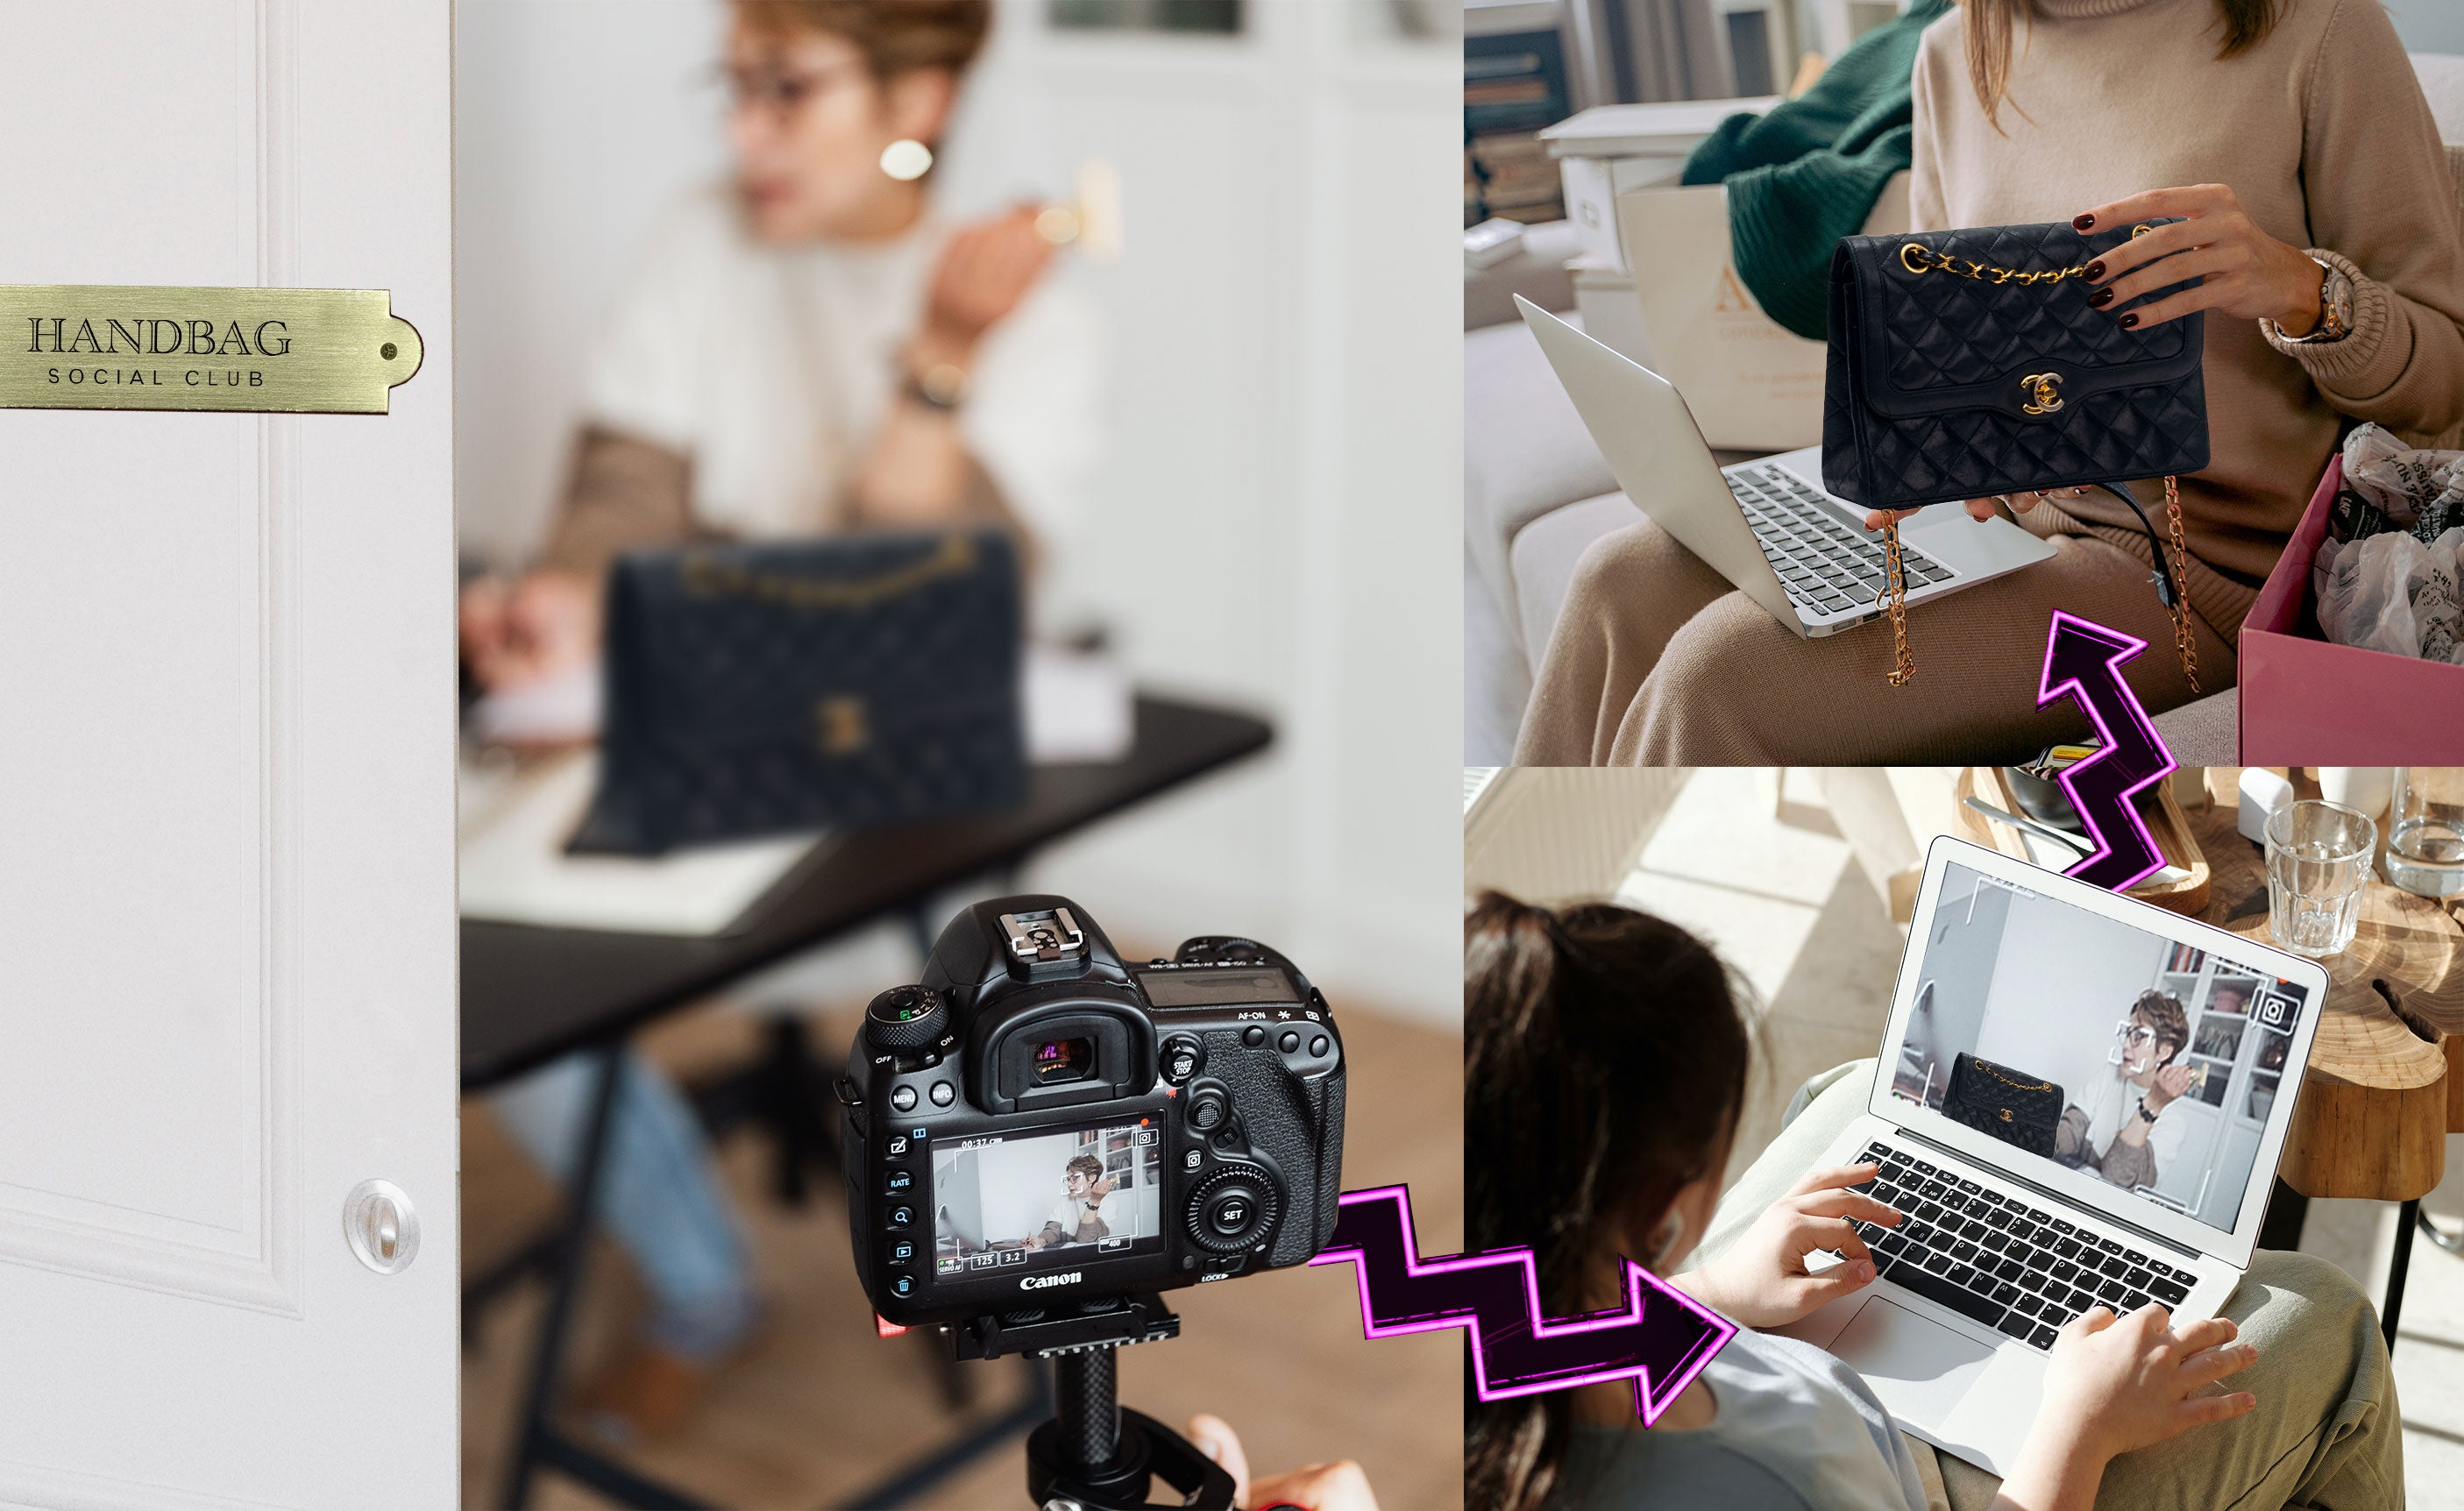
(1612, 312)
(1751, 384)
(1609, 150)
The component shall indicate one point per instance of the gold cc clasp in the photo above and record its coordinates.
(2044, 392)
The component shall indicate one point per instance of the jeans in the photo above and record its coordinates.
(2326, 1434)
(658, 1194)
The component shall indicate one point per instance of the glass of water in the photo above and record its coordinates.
(2319, 857)
(2426, 830)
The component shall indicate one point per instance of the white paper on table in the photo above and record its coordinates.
(1078, 708)
(515, 869)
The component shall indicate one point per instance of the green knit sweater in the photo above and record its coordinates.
(1807, 173)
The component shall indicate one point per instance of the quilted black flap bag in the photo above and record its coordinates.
(1969, 364)
(756, 690)
(2020, 1110)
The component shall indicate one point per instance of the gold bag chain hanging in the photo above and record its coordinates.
(1917, 258)
(1895, 595)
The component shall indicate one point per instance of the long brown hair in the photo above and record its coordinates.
(1990, 23)
(1604, 1060)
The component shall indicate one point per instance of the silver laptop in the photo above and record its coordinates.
(2036, 975)
(1767, 526)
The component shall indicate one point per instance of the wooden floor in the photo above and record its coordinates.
(828, 1406)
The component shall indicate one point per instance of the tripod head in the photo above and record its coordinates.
(1093, 1454)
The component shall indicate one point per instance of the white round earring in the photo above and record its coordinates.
(906, 160)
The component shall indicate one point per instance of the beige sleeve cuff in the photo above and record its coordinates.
(2371, 358)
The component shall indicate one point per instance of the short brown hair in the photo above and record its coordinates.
(2165, 1015)
(895, 36)
(1087, 1165)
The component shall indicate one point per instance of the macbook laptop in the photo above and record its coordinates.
(2038, 988)
(1767, 526)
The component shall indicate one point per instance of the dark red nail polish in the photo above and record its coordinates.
(2100, 299)
(2129, 320)
(2095, 270)
(2082, 222)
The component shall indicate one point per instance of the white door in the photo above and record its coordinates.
(227, 703)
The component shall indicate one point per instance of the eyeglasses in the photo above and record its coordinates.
(2136, 1033)
(780, 91)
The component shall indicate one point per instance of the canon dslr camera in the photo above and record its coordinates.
(1038, 1122)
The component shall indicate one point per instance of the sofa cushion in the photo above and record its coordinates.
(1544, 557)
(1524, 450)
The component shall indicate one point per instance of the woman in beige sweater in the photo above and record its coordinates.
(2293, 136)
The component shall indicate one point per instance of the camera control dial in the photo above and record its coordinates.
(1229, 1208)
(904, 1019)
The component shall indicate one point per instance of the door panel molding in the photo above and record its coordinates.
(255, 1260)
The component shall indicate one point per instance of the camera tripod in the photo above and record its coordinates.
(1094, 1454)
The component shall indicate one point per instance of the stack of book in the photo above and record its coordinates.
(1513, 85)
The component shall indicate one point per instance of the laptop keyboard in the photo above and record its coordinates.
(1997, 1259)
(1824, 564)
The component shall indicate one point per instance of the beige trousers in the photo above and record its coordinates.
(2326, 1435)
(1657, 661)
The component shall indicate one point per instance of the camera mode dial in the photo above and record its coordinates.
(904, 1019)
(1229, 1208)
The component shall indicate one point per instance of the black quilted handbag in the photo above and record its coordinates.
(757, 690)
(2019, 1109)
(1966, 363)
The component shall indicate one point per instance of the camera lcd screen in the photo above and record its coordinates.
(1216, 987)
(2105, 1051)
(1054, 1199)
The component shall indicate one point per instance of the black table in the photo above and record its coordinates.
(532, 995)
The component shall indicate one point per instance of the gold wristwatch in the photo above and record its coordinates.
(2335, 309)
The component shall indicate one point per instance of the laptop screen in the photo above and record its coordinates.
(2095, 1047)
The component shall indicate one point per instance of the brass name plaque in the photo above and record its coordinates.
(285, 351)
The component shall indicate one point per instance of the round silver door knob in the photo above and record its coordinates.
(381, 1225)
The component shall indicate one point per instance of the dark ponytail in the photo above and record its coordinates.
(1604, 1062)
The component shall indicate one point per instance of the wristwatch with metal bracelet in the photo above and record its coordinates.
(2335, 310)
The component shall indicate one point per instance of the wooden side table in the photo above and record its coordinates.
(2375, 1107)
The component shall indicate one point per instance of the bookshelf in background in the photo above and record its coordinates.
(1514, 83)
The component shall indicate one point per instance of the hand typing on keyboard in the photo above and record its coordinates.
(2115, 1383)
(1764, 1278)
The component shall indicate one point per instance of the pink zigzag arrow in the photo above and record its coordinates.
(2084, 661)
(1659, 1338)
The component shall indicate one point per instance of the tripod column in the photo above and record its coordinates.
(1089, 1409)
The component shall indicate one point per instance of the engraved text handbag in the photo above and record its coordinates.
(859, 680)
(1969, 364)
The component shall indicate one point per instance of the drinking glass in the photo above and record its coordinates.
(2318, 856)
(2426, 830)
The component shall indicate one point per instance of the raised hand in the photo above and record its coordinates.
(1763, 1281)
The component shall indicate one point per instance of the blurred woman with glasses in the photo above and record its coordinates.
(805, 348)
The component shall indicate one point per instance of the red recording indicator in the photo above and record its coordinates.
(885, 1326)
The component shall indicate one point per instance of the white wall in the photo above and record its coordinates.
(1278, 522)
(2065, 977)
(2428, 26)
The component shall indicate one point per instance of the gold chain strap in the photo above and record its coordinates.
(2015, 1086)
(2183, 644)
(1895, 587)
(1918, 258)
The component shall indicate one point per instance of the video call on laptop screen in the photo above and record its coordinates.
(2101, 1047)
